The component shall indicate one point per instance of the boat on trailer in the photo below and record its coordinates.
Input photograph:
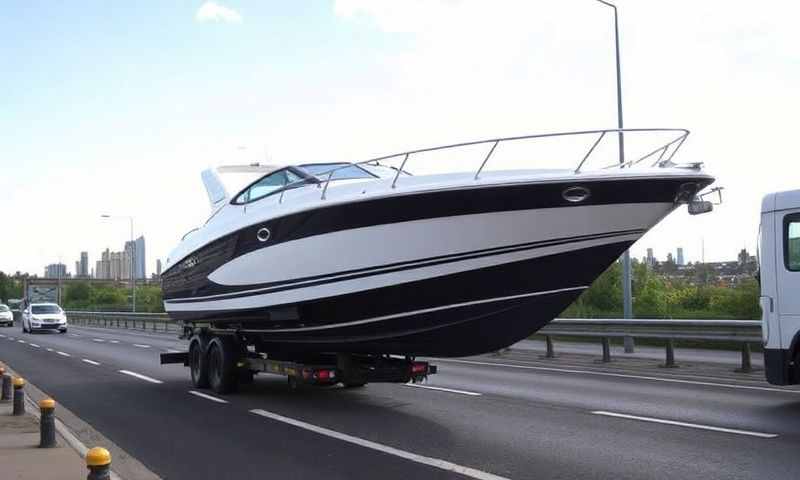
(366, 258)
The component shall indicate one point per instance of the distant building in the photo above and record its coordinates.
(669, 258)
(650, 260)
(55, 270)
(681, 260)
(137, 250)
(84, 271)
(158, 268)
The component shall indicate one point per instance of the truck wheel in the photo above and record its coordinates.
(222, 365)
(198, 362)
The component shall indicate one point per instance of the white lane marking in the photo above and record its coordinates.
(172, 350)
(74, 335)
(50, 350)
(140, 376)
(140, 345)
(442, 389)
(91, 362)
(620, 375)
(33, 345)
(208, 397)
(685, 424)
(63, 354)
(2, 336)
(11, 339)
(21, 341)
(433, 462)
(113, 341)
(98, 340)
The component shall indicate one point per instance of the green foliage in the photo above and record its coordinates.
(89, 296)
(655, 296)
(9, 288)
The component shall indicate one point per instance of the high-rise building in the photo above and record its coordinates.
(55, 270)
(84, 271)
(158, 268)
(681, 260)
(136, 249)
(669, 258)
(651, 260)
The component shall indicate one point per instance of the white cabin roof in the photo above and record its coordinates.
(780, 201)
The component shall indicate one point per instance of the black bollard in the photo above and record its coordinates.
(47, 423)
(606, 350)
(549, 344)
(98, 461)
(19, 396)
(670, 360)
(6, 395)
(747, 365)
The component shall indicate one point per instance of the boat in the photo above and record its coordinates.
(368, 258)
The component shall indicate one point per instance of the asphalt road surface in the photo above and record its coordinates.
(483, 417)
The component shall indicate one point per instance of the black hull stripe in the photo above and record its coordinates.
(187, 278)
(248, 291)
(420, 312)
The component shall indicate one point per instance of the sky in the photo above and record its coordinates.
(116, 107)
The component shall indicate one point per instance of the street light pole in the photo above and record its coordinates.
(627, 305)
(133, 256)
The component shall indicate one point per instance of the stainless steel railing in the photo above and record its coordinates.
(665, 152)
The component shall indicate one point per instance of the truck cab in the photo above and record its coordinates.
(779, 257)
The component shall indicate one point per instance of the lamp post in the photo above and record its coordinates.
(627, 305)
(133, 256)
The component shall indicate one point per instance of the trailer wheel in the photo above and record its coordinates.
(222, 365)
(198, 362)
(292, 383)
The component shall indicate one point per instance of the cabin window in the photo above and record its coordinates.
(792, 239)
(267, 185)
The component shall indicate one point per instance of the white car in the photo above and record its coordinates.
(6, 316)
(44, 316)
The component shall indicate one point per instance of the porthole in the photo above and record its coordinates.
(263, 234)
(575, 194)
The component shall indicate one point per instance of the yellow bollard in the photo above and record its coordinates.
(19, 396)
(98, 461)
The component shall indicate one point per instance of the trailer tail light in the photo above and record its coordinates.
(324, 375)
(419, 368)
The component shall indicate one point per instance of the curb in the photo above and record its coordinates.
(132, 468)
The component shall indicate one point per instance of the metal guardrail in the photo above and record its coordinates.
(155, 322)
(740, 331)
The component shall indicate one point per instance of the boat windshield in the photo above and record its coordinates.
(344, 171)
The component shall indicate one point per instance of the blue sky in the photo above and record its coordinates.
(116, 107)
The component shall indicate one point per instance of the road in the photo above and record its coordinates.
(512, 417)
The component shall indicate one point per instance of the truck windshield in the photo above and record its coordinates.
(3, 308)
(44, 309)
(793, 245)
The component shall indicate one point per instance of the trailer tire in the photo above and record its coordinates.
(221, 357)
(198, 362)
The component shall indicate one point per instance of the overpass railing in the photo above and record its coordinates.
(743, 332)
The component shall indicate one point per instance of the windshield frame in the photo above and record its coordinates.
(335, 166)
(307, 180)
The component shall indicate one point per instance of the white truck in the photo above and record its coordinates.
(779, 257)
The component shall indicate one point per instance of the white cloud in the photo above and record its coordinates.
(214, 12)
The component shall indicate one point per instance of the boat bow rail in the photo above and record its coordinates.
(662, 154)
